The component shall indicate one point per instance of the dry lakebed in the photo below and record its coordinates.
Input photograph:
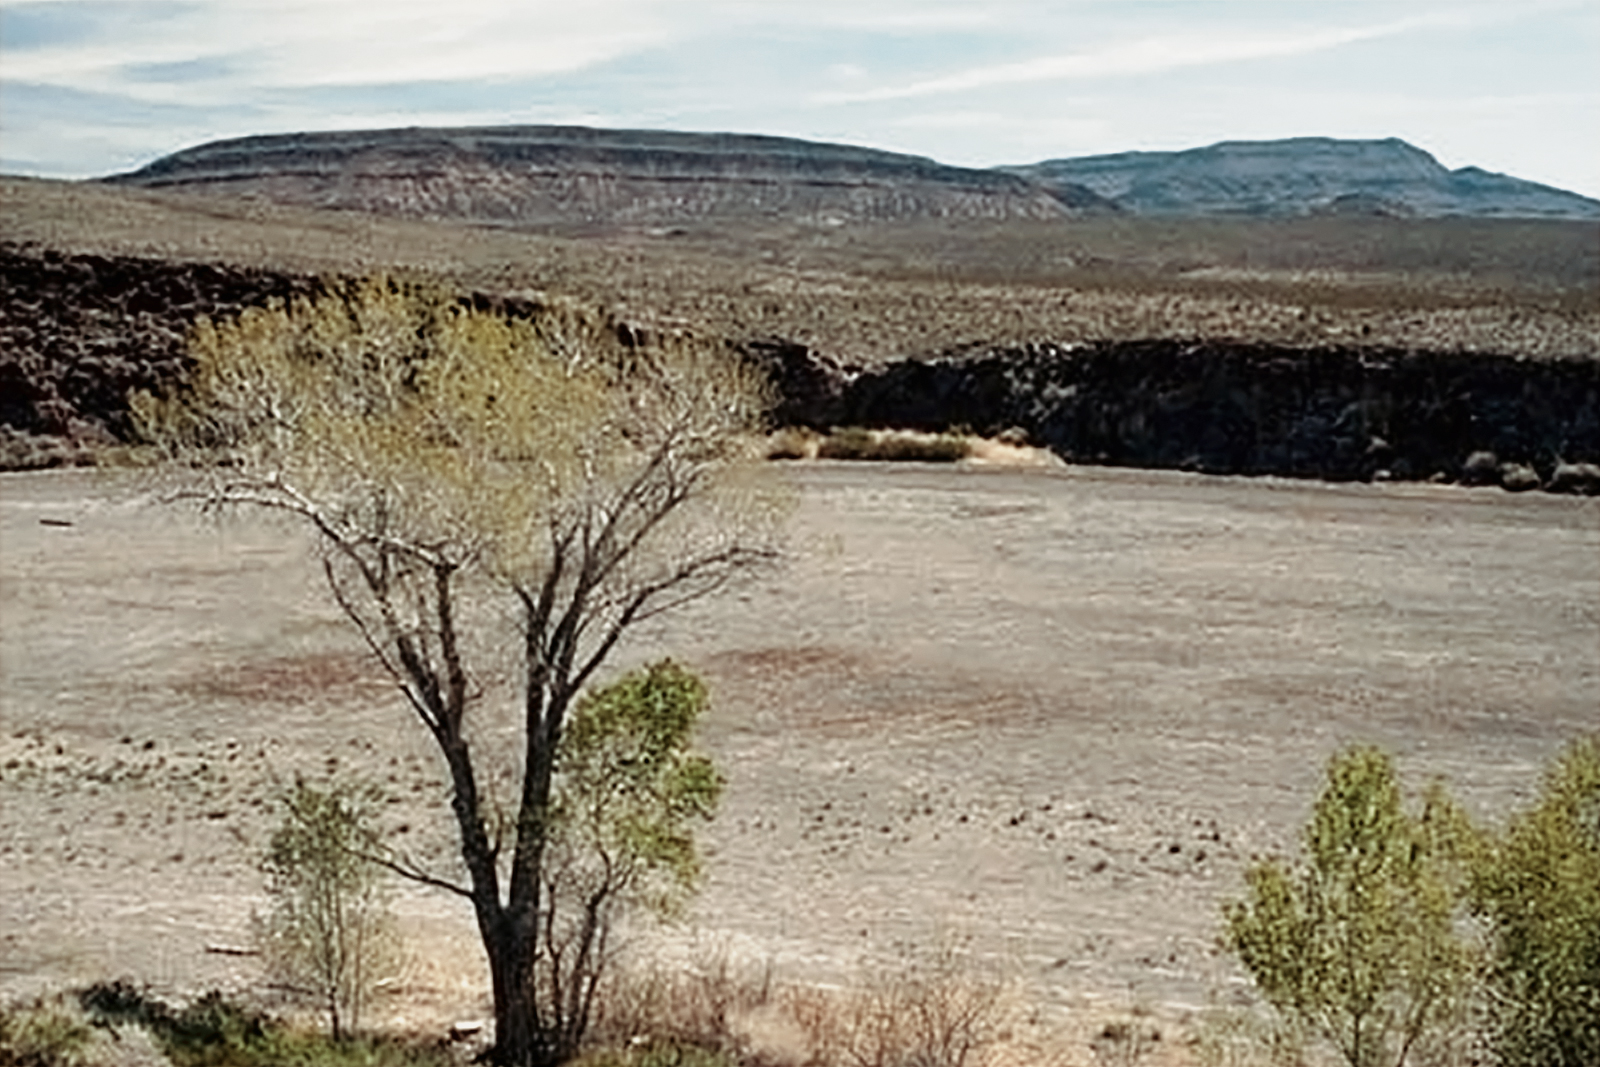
(1045, 715)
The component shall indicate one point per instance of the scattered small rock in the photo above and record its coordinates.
(1581, 478)
(1518, 477)
(1481, 468)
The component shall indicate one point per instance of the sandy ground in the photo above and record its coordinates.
(1048, 715)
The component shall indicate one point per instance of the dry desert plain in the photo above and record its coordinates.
(1046, 715)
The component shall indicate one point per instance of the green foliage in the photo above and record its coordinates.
(328, 935)
(392, 408)
(1359, 943)
(1538, 885)
(620, 831)
(630, 787)
(455, 462)
(217, 1032)
(42, 1033)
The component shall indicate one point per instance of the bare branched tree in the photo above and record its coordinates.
(444, 455)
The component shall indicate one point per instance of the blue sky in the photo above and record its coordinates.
(90, 88)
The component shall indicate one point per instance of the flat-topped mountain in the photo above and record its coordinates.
(542, 175)
(531, 175)
(1302, 176)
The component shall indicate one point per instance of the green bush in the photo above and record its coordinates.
(328, 936)
(1359, 943)
(217, 1032)
(42, 1033)
(1538, 886)
(629, 792)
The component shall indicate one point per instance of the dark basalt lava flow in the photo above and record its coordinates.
(1337, 413)
(78, 332)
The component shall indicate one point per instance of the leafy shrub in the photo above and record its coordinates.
(328, 936)
(1359, 943)
(217, 1032)
(1538, 886)
(630, 789)
(43, 1033)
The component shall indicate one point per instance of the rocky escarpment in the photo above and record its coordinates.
(78, 332)
(535, 175)
(1332, 413)
(1305, 175)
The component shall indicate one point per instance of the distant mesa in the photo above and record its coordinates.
(537, 175)
(1306, 176)
(526, 176)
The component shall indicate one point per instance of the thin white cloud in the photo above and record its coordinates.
(232, 52)
(94, 88)
(1151, 55)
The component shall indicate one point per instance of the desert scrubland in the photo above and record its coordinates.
(1045, 715)
(870, 293)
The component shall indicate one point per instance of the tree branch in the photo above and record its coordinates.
(415, 875)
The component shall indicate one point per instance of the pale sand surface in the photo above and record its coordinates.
(1047, 714)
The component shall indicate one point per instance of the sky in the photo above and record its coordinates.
(89, 88)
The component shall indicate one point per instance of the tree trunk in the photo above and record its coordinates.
(518, 1037)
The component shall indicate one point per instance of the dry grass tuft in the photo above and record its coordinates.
(934, 1012)
(704, 1005)
(893, 446)
(1245, 1037)
(1009, 449)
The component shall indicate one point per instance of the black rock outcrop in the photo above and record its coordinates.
(1331, 413)
(79, 332)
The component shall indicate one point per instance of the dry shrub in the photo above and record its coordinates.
(1124, 1042)
(1009, 449)
(1518, 477)
(657, 1055)
(793, 442)
(936, 1012)
(893, 445)
(1481, 468)
(1245, 1037)
(23, 451)
(1576, 478)
(700, 1005)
